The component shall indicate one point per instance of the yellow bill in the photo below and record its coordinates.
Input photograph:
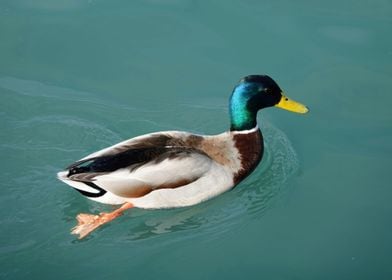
(291, 105)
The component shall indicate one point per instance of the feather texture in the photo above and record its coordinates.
(160, 170)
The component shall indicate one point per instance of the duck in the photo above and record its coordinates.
(171, 169)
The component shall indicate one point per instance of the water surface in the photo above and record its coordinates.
(77, 76)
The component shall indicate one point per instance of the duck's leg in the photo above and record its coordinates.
(87, 222)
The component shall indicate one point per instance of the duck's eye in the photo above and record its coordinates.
(267, 90)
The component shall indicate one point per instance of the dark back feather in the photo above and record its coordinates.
(153, 149)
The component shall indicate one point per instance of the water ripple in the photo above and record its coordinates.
(215, 217)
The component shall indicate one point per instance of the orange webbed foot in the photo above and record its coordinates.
(88, 223)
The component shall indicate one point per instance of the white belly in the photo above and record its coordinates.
(216, 181)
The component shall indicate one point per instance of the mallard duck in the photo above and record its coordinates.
(176, 169)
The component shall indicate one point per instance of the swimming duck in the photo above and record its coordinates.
(173, 168)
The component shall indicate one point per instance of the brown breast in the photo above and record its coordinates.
(250, 147)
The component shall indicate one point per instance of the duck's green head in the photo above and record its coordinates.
(256, 92)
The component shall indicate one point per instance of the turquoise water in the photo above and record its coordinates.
(77, 76)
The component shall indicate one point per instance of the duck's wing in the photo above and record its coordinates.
(140, 165)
